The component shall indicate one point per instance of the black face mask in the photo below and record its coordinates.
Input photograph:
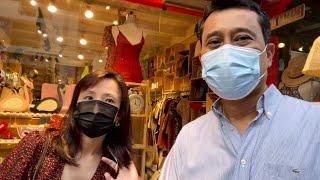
(95, 118)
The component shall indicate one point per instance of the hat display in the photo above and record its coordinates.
(292, 76)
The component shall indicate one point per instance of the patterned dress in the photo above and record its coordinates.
(22, 161)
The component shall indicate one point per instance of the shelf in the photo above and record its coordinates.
(138, 146)
(169, 75)
(196, 79)
(138, 115)
(9, 141)
(28, 126)
(135, 84)
(27, 114)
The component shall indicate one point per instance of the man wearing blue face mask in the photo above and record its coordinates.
(253, 131)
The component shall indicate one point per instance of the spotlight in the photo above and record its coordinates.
(45, 35)
(80, 56)
(100, 61)
(88, 14)
(36, 58)
(39, 31)
(83, 41)
(52, 8)
(60, 55)
(59, 39)
(115, 23)
(300, 49)
(281, 45)
(108, 7)
(33, 2)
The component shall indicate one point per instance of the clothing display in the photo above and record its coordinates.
(123, 56)
(169, 123)
(22, 161)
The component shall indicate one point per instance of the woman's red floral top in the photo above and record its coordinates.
(22, 161)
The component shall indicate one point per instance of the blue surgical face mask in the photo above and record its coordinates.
(232, 72)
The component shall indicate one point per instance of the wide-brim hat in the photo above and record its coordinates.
(292, 76)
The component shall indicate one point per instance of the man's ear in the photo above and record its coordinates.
(270, 53)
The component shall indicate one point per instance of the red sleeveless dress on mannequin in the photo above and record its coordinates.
(127, 59)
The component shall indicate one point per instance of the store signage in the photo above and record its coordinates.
(288, 17)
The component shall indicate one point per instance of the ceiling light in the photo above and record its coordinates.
(39, 31)
(89, 14)
(52, 8)
(100, 61)
(281, 45)
(80, 56)
(60, 55)
(33, 2)
(300, 49)
(83, 41)
(115, 22)
(47, 60)
(60, 39)
(108, 7)
(45, 35)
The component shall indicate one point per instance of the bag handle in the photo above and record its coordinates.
(41, 159)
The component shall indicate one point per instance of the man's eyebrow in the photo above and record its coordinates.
(214, 33)
(241, 29)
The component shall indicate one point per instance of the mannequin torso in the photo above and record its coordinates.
(130, 30)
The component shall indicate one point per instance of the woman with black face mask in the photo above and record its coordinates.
(94, 142)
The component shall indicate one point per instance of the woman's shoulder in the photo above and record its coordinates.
(35, 138)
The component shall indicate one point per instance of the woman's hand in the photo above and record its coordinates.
(124, 173)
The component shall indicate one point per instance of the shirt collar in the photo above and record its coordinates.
(268, 102)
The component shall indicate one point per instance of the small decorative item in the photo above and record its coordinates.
(136, 100)
(4, 132)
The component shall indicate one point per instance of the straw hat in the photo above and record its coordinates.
(292, 76)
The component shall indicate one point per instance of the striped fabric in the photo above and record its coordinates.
(281, 143)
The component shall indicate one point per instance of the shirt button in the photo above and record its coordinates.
(269, 114)
(243, 162)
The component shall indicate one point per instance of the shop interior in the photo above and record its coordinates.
(47, 46)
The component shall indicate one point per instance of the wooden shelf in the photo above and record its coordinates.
(138, 146)
(26, 114)
(196, 79)
(169, 75)
(138, 115)
(135, 84)
(30, 126)
(9, 141)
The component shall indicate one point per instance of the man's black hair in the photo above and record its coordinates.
(219, 5)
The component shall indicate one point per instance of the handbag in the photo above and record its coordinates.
(41, 159)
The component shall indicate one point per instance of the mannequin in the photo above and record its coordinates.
(129, 29)
(125, 43)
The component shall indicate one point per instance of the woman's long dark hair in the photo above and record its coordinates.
(67, 143)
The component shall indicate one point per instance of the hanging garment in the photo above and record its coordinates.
(127, 59)
(108, 42)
